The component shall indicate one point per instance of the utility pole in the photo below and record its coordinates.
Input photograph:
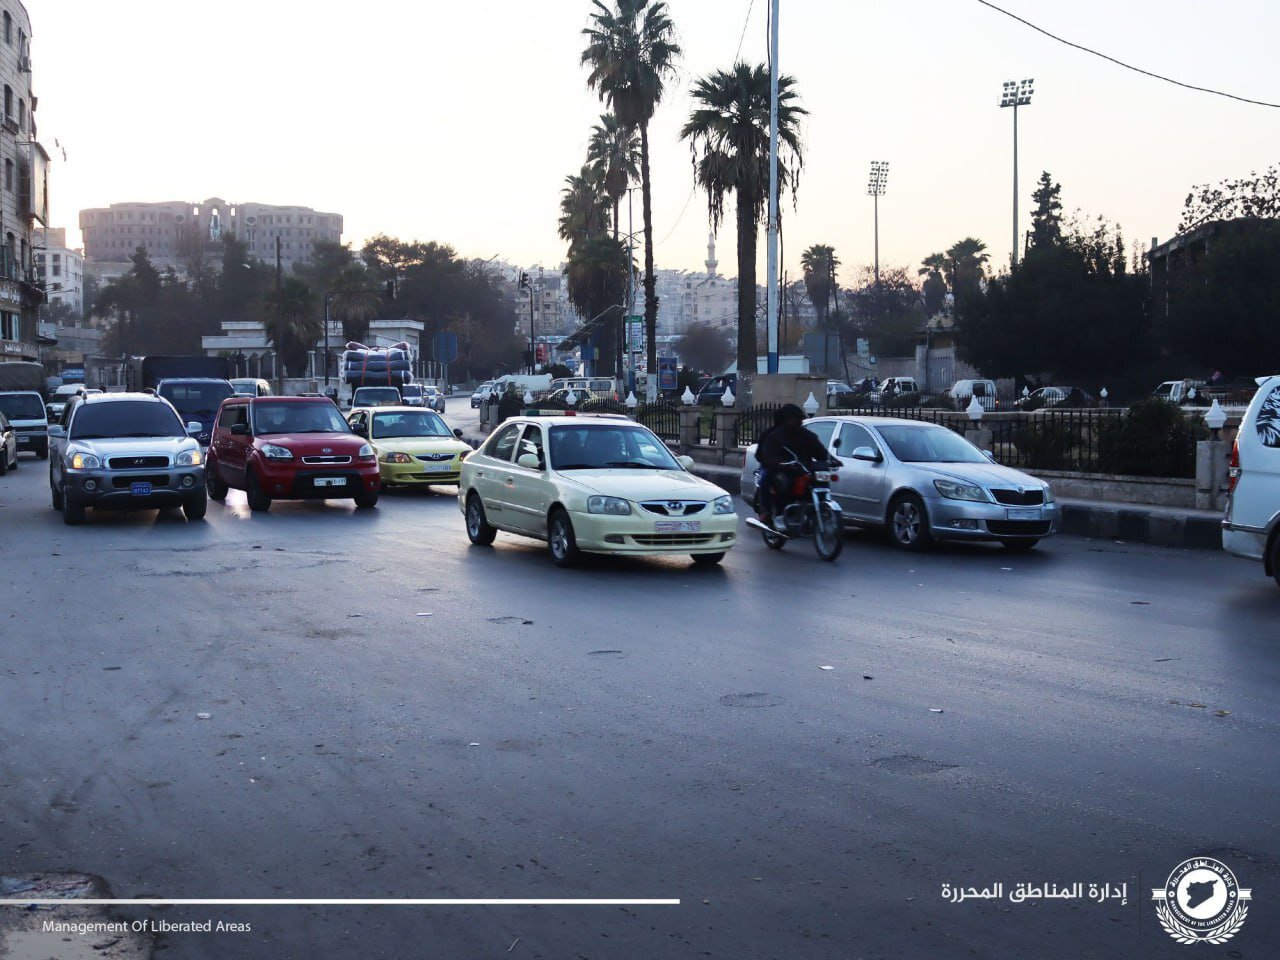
(1015, 95)
(279, 322)
(875, 187)
(772, 297)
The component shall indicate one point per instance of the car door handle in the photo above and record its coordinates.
(510, 482)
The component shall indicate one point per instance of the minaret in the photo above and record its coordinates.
(712, 262)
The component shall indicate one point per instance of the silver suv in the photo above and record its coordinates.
(125, 451)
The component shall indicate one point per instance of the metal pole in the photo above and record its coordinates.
(279, 371)
(327, 297)
(533, 350)
(631, 298)
(876, 199)
(772, 298)
(1014, 258)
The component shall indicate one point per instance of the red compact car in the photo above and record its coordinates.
(289, 448)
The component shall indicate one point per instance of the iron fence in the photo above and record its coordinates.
(662, 417)
(751, 423)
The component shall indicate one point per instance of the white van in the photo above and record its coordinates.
(965, 390)
(1251, 528)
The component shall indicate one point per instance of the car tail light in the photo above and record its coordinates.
(1233, 467)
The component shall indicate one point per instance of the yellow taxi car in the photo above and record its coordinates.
(593, 484)
(414, 446)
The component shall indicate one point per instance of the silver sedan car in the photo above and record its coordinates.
(924, 482)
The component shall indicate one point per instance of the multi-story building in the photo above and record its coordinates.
(24, 192)
(175, 233)
(60, 269)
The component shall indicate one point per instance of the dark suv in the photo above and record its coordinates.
(124, 451)
(289, 448)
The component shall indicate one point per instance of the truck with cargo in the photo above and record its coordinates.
(22, 401)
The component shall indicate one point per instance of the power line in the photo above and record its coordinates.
(687, 201)
(746, 23)
(1121, 63)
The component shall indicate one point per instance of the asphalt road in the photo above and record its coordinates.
(631, 729)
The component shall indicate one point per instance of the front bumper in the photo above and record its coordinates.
(413, 474)
(640, 534)
(114, 489)
(970, 520)
(288, 480)
(1243, 541)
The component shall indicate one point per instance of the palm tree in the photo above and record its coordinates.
(584, 207)
(934, 288)
(819, 263)
(965, 266)
(729, 127)
(613, 153)
(292, 324)
(631, 51)
(354, 302)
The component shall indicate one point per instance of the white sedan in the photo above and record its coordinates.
(593, 484)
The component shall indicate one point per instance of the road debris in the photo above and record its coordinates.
(826, 666)
(867, 676)
(935, 709)
(204, 716)
(426, 614)
(513, 944)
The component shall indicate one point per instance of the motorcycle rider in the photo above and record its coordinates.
(787, 440)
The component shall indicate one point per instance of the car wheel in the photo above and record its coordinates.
(43, 452)
(707, 559)
(258, 501)
(1020, 546)
(213, 485)
(4, 461)
(195, 507)
(478, 530)
(367, 500)
(72, 512)
(908, 522)
(55, 495)
(560, 539)
(1275, 557)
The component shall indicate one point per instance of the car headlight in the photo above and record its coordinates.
(189, 458)
(961, 491)
(396, 458)
(366, 452)
(722, 505)
(614, 506)
(1048, 494)
(274, 451)
(85, 461)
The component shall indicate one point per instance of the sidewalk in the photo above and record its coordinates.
(1185, 528)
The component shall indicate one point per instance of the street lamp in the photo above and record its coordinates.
(876, 183)
(1016, 95)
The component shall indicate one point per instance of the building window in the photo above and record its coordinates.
(8, 321)
(8, 28)
(8, 101)
(8, 175)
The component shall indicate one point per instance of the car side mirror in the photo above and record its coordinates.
(457, 433)
(193, 427)
(56, 431)
(989, 455)
(360, 430)
(686, 462)
(835, 444)
(529, 461)
(870, 454)
(240, 430)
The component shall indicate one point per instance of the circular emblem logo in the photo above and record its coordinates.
(1201, 902)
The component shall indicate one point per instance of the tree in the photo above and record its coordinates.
(354, 301)
(935, 285)
(1257, 195)
(819, 264)
(705, 348)
(728, 132)
(1046, 218)
(965, 267)
(890, 313)
(292, 323)
(596, 275)
(584, 207)
(631, 51)
(613, 154)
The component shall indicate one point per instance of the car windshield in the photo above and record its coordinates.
(22, 406)
(411, 391)
(196, 399)
(929, 444)
(125, 418)
(377, 395)
(419, 423)
(286, 417)
(595, 446)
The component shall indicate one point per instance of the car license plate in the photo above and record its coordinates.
(22, 438)
(140, 489)
(677, 526)
(331, 481)
(437, 468)
(1024, 514)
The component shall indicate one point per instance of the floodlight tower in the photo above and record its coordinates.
(876, 183)
(1016, 94)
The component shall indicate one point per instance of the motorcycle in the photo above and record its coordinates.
(810, 511)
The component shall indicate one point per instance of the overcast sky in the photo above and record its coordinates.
(458, 121)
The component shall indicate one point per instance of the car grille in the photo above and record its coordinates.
(137, 463)
(155, 479)
(674, 508)
(325, 461)
(436, 477)
(436, 457)
(1019, 498)
(1019, 528)
(673, 539)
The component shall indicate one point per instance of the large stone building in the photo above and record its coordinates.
(174, 233)
(24, 194)
(60, 269)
